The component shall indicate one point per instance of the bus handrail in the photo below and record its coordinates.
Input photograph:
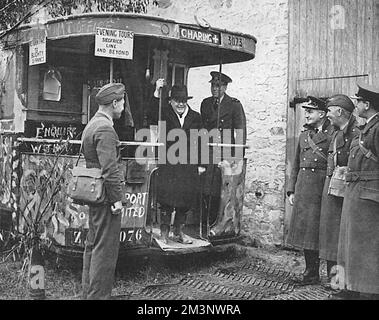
(123, 143)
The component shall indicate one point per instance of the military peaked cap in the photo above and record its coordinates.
(110, 92)
(342, 101)
(315, 103)
(224, 79)
(367, 92)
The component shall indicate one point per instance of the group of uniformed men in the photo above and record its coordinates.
(334, 191)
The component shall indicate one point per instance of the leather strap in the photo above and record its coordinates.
(315, 148)
(362, 176)
(84, 132)
(367, 153)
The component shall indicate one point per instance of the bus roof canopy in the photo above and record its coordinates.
(203, 46)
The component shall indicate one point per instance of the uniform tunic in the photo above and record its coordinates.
(331, 206)
(232, 116)
(358, 246)
(101, 150)
(307, 182)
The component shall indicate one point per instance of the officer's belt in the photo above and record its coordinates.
(362, 176)
(313, 165)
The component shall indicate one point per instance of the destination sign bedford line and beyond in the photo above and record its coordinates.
(200, 35)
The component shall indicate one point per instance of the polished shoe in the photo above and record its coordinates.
(310, 276)
(344, 295)
(179, 235)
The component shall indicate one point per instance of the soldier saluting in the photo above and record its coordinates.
(306, 184)
(358, 245)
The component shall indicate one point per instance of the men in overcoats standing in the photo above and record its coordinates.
(340, 113)
(177, 183)
(221, 112)
(306, 184)
(358, 246)
(100, 145)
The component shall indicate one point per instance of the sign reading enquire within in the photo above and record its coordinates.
(114, 43)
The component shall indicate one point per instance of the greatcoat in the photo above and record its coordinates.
(358, 245)
(331, 206)
(178, 184)
(306, 182)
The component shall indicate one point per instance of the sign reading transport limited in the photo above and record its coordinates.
(114, 43)
(199, 35)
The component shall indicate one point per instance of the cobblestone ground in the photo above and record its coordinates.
(233, 272)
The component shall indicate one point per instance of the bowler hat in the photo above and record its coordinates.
(367, 92)
(342, 101)
(179, 93)
(315, 103)
(220, 77)
(110, 92)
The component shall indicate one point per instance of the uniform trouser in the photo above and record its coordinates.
(100, 253)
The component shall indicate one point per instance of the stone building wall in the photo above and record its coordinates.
(261, 86)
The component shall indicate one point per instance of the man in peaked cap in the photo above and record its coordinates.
(100, 146)
(340, 113)
(306, 183)
(358, 245)
(220, 111)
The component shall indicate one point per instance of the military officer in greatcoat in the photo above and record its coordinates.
(358, 245)
(306, 184)
(340, 113)
(221, 112)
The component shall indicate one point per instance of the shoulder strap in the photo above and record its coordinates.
(84, 132)
(314, 147)
(367, 153)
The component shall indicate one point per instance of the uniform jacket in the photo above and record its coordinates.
(331, 206)
(305, 157)
(343, 140)
(101, 150)
(358, 246)
(232, 115)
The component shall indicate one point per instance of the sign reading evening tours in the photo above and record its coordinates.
(37, 49)
(114, 43)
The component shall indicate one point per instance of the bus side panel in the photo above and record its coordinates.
(64, 222)
(228, 222)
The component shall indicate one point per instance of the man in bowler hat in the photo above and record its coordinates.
(177, 184)
(100, 146)
(358, 245)
(340, 113)
(221, 112)
(306, 184)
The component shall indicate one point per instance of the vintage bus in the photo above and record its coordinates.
(51, 73)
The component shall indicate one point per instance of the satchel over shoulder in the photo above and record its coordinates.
(87, 184)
